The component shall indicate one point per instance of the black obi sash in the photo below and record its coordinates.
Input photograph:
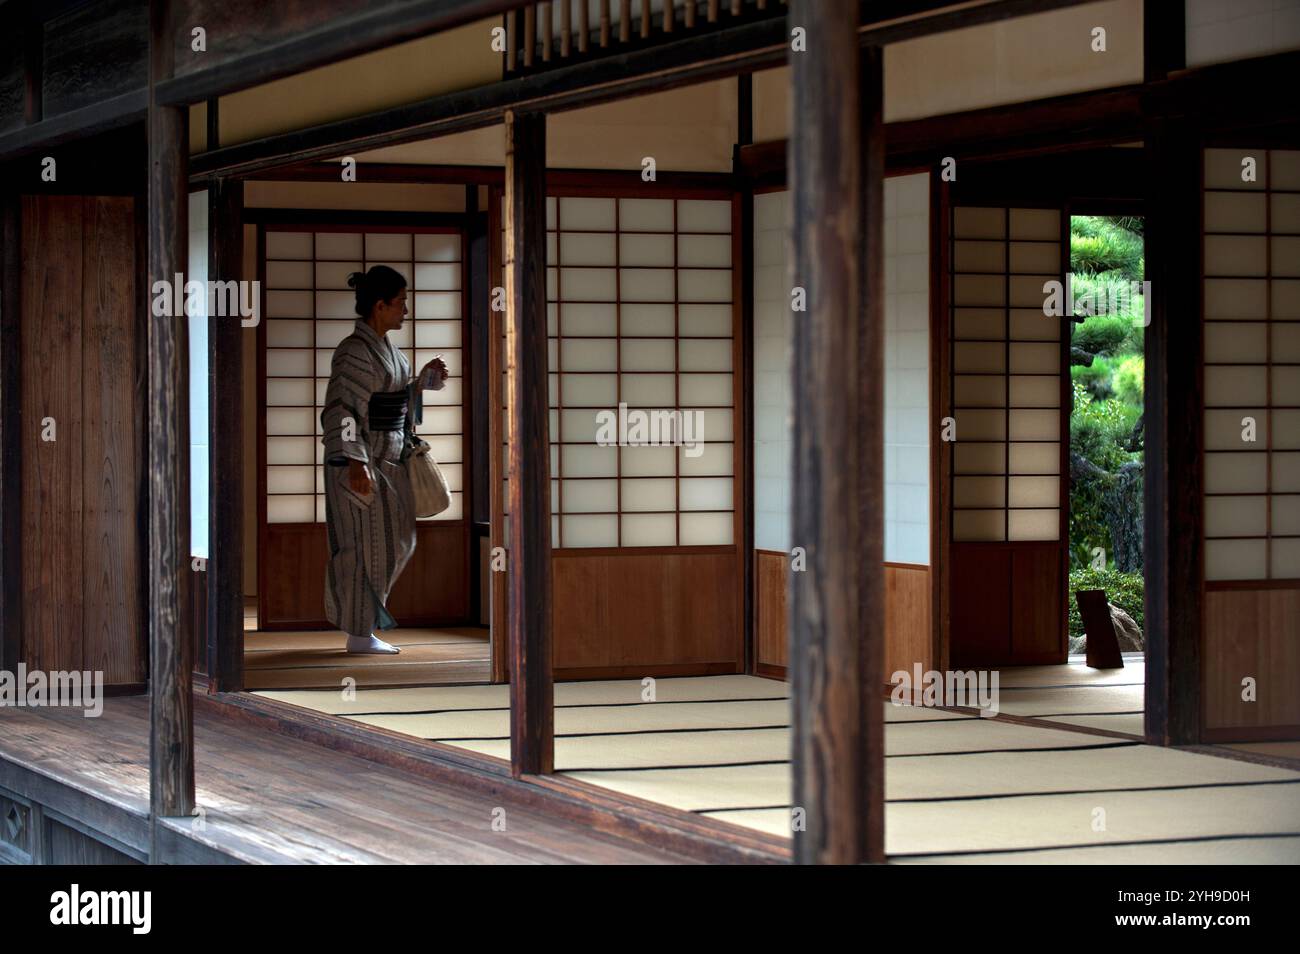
(387, 411)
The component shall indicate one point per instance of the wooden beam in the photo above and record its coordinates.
(1175, 439)
(76, 124)
(225, 576)
(322, 37)
(33, 34)
(171, 750)
(695, 58)
(11, 444)
(532, 740)
(1164, 39)
(837, 611)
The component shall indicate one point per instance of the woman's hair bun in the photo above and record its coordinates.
(381, 283)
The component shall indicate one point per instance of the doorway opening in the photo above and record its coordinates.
(1107, 455)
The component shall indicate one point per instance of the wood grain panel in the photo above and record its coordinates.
(670, 613)
(980, 604)
(113, 444)
(1007, 605)
(908, 635)
(432, 590)
(1037, 611)
(1255, 634)
(94, 52)
(580, 612)
(771, 626)
(52, 474)
(434, 587)
(908, 631)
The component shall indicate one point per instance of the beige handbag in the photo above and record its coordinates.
(428, 485)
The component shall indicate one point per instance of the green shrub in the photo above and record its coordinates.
(1104, 244)
(1102, 334)
(1122, 589)
(1128, 380)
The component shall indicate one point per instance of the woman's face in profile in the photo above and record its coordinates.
(393, 311)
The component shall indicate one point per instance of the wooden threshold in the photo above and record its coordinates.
(599, 809)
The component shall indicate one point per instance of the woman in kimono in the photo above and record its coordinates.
(371, 407)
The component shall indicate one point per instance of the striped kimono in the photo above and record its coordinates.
(370, 540)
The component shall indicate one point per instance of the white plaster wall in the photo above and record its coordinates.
(907, 371)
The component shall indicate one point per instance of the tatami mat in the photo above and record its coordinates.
(1215, 851)
(1071, 821)
(958, 787)
(1131, 723)
(1277, 750)
(627, 692)
(1075, 700)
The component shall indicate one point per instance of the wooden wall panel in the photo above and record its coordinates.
(52, 476)
(432, 590)
(1038, 633)
(81, 526)
(1007, 604)
(908, 633)
(1251, 633)
(771, 625)
(646, 614)
(113, 444)
(13, 75)
(908, 630)
(980, 604)
(435, 583)
(94, 52)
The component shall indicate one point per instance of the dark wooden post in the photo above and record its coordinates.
(11, 461)
(225, 619)
(1174, 435)
(532, 741)
(837, 617)
(171, 748)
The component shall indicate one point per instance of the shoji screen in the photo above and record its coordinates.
(1252, 365)
(907, 369)
(772, 320)
(1007, 373)
(309, 309)
(640, 313)
(198, 363)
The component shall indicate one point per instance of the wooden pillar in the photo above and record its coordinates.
(225, 576)
(837, 617)
(11, 461)
(532, 741)
(1174, 435)
(171, 748)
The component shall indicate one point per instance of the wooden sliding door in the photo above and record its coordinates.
(1008, 438)
(82, 438)
(308, 309)
(1251, 470)
(642, 303)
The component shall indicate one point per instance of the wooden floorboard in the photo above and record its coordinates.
(269, 798)
(316, 660)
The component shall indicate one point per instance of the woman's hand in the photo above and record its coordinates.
(434, 374)
(359, 478)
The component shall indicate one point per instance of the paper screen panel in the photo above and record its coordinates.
(1007, 366)
(309, 309)
(640, 315)
(1251, 378)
